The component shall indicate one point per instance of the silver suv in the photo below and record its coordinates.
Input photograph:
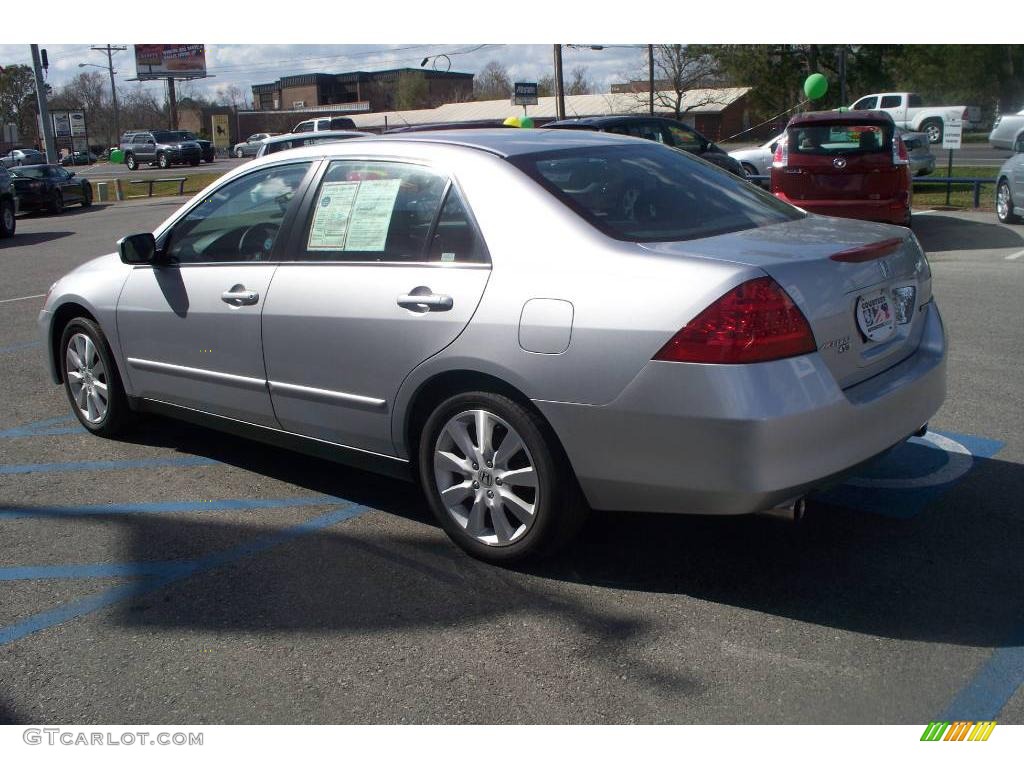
(162, 148)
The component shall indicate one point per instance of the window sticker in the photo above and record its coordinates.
(371, 215)
(333, 210)
(353, 215)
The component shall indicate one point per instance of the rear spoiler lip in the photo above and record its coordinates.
(868, 252)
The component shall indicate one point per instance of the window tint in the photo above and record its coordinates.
(455, 238)
(888, 102)
(240, 221)
(868, 102)
(303, 127)
(839, 139)
(649, 131)
(915, 101)
(684, 138)
(647, 193)
(373, 211)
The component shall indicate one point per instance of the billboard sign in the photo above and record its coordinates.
(183, 60)
(61, 125)
(77, 124)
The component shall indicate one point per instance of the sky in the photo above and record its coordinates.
(244, 65)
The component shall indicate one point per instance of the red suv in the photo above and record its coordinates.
(849, 164)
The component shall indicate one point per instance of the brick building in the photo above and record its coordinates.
(361, 91)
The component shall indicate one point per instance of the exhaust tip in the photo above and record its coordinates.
(922, 431)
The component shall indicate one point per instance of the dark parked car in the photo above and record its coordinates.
(80, 157)
(205, 147)
(162, 148)
(25, 156)
(49, 187)
(8, 204)
(664, 130)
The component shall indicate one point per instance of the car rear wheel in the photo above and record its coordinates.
(131, 162)
(496, 480)
(57, 202)
(934, 130)
(1004, 204)
(7, 220)
(91, 380)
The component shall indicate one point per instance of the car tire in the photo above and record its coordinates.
(85, 394)
(56, 202)
(86, 195)
(749, 169)
(239, 154)
(1005, 204)
(514, 520)
(131, 162)
(8, 223)
(934, 129)
(162, 161)
(194, 163)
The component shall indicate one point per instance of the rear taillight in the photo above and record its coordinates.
(754, 322)
(900, 156)
(781, 157)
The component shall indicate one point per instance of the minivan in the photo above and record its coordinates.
(851, 164)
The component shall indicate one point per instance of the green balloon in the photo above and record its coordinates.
(526, 122)
(816, 86)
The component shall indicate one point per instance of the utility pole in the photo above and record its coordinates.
(110, 50)
(559, 85)
(172, 100)
(842, 75)
(650, 76)
(44, 109)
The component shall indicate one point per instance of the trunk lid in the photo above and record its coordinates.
(824, 266)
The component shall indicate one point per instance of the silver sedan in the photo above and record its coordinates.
(251, 146)
(528, 323)
(1010, 187)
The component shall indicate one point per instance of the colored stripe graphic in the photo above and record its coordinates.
(162, 507)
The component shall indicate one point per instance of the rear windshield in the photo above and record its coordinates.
(40, 172)
(839, 139)
(650, 193)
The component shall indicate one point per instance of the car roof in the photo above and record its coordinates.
(509, 142)
(598, 120)
(850, 116)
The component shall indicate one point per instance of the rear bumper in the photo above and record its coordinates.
(892, 210)
(721, 439)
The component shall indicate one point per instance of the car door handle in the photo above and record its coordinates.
(426, 302)
(239, 296)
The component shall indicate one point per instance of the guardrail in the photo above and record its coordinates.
(951, 180)
(179, 179)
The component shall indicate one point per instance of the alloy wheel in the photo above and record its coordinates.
(87, 378)
(1003, 201)
(8, 214)
(486, 477)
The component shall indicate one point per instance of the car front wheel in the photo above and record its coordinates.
(7, 220)
(496, 480)
(162, 160)
(131, 162)
(91, 381)
(1004, 204)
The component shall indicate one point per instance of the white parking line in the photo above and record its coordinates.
(1015, 256)
(22, 298)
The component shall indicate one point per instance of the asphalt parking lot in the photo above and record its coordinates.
(180, 575)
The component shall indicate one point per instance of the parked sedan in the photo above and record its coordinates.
(1006, 130)
(50, 188)
(8, 204)
(919, 152)
(18, 157)
(250, 146)
(79, 157)
(757, 161)
(671, 133)
(529, 323)
(305, 139)
(1010, 187)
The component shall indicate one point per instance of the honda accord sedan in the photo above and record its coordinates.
(530, 324)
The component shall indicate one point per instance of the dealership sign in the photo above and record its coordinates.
(180, 60)
(525, 94)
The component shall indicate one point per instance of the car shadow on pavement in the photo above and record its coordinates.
(72, 209)
(952, 574)
(937, 232)
(34, 238)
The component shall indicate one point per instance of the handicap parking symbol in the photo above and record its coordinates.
(912, 475)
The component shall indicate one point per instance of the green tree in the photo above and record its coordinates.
(17, 99)
(412, 91)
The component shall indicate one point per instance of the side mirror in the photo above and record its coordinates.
(774, 145)
(71, 173)
(137, 249)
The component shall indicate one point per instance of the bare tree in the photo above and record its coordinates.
(412, 91)
(90, 91)
(579, 82)
(493, 82)
(546, 85)
(233, 96)
(677, 70)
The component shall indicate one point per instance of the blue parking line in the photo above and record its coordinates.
(992, 686)
(73, 610)
(161, 507)
(100, 466)
(42, 427)
(20, 346)
(91, 571)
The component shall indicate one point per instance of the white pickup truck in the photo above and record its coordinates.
(909, 113)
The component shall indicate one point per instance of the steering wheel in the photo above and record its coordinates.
(257, 241)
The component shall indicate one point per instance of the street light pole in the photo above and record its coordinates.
(109, 50)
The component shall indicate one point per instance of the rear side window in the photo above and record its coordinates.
(889, 102)
(915, 101)
(839, 139)
(455, 238)
(375, 211)
(650, 193)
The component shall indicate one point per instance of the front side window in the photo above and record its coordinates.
(684, 138)
(240, 221)
(648, 193)
(868, 102)
(303, 127)
(374, 211)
